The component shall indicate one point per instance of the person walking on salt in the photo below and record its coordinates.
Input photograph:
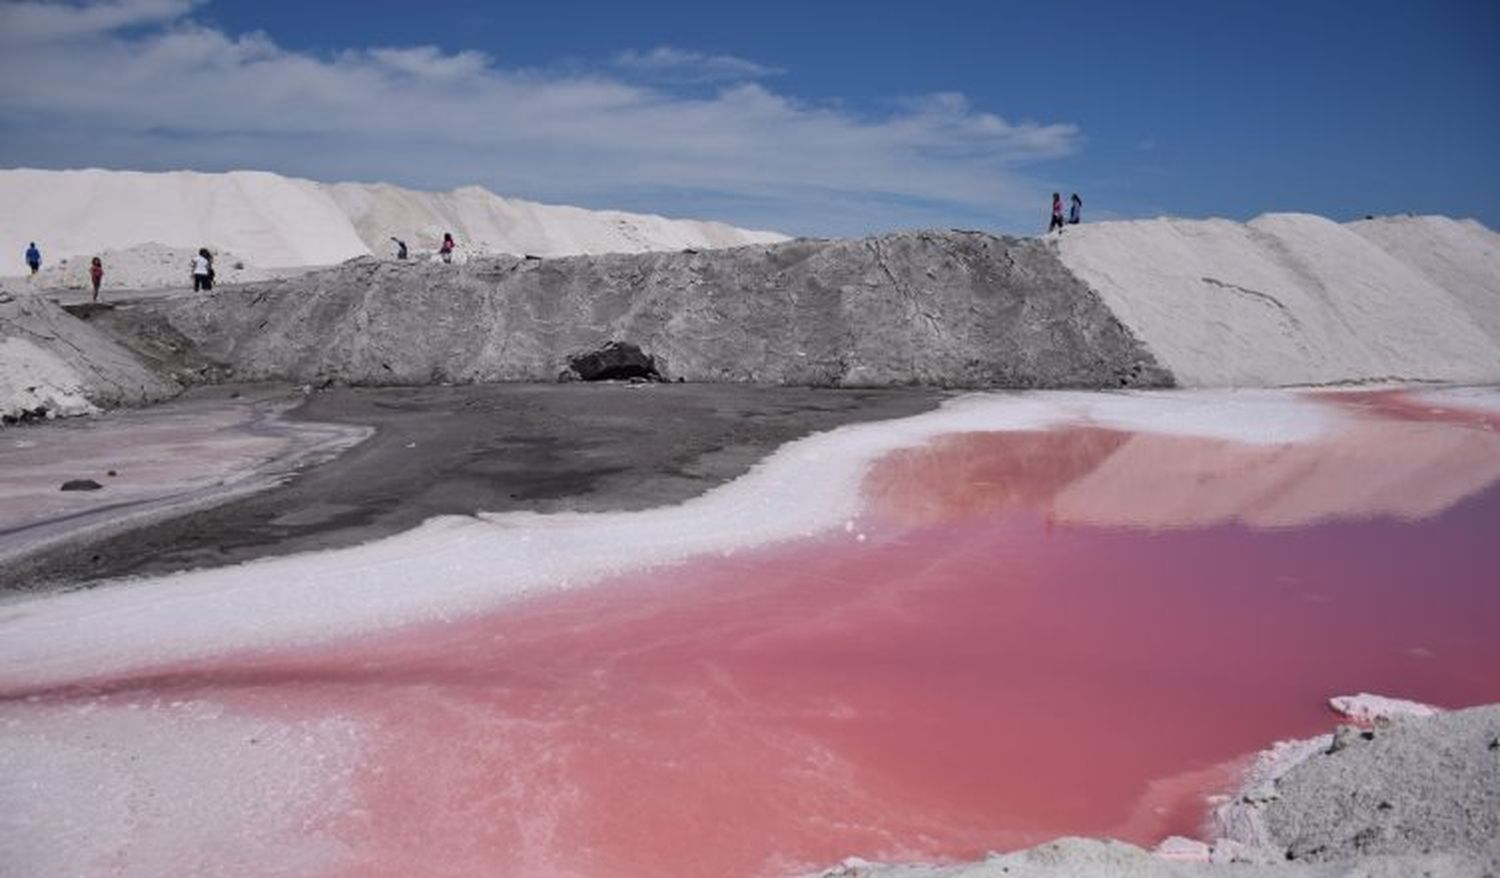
(96, 274)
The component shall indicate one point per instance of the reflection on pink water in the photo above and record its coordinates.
(1067, 632)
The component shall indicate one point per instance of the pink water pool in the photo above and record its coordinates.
(1072, 631)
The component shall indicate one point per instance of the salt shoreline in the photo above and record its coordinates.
(1412, 793)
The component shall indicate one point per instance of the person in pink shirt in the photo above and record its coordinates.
(96, 274)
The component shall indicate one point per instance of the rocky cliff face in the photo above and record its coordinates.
(958, 309)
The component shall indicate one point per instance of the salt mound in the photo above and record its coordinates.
(1462, 256)
(1296, 299)
(149, 266)
(486, 224)
(275, 222)
(271, 220)
(52, 364)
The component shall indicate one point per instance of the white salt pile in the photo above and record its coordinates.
(1299, 299)
(275, 222)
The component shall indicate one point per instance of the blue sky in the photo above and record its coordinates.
(811, 117)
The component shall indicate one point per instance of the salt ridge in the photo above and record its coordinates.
(279, 222)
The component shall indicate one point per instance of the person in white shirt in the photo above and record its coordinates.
(203, 271)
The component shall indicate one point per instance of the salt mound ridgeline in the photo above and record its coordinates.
(274, 222)
(1297, 299)
(937, 308)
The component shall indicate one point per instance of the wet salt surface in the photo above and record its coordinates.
(1025, 633)
(150, 463)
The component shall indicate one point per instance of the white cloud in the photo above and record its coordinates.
(137, 83)
(696, 66)
(28, 21)
(428, 62)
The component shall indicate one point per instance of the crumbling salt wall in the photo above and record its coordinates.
(957, 309)
(54, 365)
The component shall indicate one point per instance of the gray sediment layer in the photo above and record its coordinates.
(946, 309)
(459, 450)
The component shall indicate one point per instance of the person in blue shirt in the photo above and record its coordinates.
(1075, 208)
(34, 258)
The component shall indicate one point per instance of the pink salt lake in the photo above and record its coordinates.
(1071, 631)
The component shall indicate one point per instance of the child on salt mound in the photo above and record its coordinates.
(96, 274)
(1057, 213)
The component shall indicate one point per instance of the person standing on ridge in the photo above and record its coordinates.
(1075, 210)
(34, 258)
(446, 251)
(96, 274)
(1057, 213)
(202, 271)
(400, 247)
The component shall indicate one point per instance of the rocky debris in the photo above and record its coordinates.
(1095, 858)
(24, 415)
(615, 361)
(1411, 784)
(80, 485)
(952, 309)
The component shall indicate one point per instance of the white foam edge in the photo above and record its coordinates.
(453, 566)
(1478, 399)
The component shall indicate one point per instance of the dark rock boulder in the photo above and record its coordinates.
(615, 361)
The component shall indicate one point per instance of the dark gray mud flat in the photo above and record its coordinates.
(462, 449)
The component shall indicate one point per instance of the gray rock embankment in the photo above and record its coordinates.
(955, 309)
